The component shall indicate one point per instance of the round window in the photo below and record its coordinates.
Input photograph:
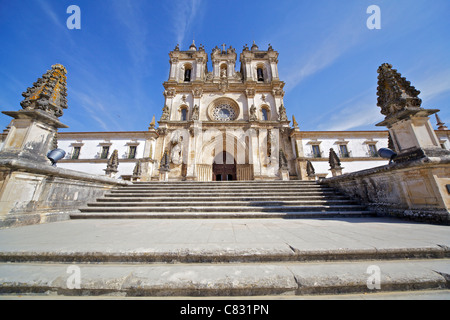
(224, 112)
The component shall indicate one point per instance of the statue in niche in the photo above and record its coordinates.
(176, 156)
(165, 115)
(195, 113)
(253, 116)
(283, 116)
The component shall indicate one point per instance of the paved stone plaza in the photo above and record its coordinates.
(225, 257)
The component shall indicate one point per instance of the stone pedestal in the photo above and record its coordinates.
(337, 171)
(284, 174)
(413, 135)
(163, 175)
(30, 136)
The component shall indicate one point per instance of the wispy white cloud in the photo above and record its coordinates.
(97, 110)
(185, 13)
(359, 111)
(48, 10)
(323, 54)
(434, 86)
(354, 116)
(131, 16)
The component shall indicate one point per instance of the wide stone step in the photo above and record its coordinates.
(218, 189)
(194, 198)
(205, 183)
(232, 208)
(294, 278)
(220, 215)
(202, 253)
(229, 192)
(218, 202)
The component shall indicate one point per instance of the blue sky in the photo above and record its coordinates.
(328, 57)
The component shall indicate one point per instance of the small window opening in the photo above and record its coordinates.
(187, 75)
(260, 74)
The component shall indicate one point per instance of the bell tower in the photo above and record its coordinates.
(188, 66)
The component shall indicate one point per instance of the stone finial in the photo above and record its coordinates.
(310, 169)
(48, 93)
(333, 159)
(137, 171)
(441, 125)
(283, 161)
(165, 162)
(294, 123)
(395, 93)
(152, 124)
(192, 47)
(113, 164)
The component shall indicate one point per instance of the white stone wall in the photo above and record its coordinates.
(91, 150)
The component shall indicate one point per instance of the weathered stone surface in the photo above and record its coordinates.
(413, 189)
(33, 192)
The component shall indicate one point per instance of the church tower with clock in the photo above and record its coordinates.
(223, 124)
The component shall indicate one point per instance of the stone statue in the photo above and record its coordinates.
(176, 155)
(282, 114)
(165, 115)
(195, 113)
(253, 116)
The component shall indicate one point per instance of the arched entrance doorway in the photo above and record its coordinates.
(224, 167)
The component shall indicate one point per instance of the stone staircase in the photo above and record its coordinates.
(172, 255)
(233, 199)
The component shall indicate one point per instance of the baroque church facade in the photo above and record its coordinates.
(222, 125)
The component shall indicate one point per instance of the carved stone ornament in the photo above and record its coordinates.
(48, 93)
(282, 114)
(165, 114)
(283, 161)
(197, 92)
(250, 93)
(169, 93)
(333, 160)
(394, 92)
(113, 163)
(310, 169)
(195, 113)
(253, 116)
(137, 171)
(165, 162)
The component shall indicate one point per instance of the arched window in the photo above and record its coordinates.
(223, 70)
(260, 74)
(265, 116)
(183, 114)
(187, 73)
(265, 113)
